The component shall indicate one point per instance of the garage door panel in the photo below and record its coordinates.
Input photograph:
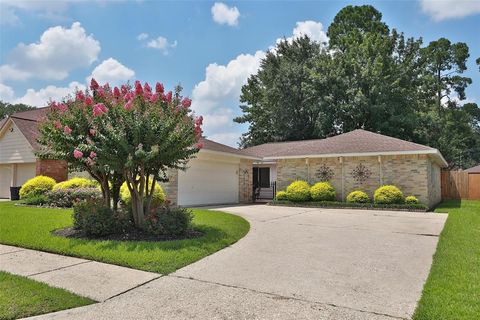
(5, 180)
(208, 182)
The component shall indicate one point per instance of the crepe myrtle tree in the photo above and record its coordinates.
(123, 134)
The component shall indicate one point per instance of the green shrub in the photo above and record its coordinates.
(95, 219)
(388, 194)
(167, 221)
(281, 195)
(35, 200)
(36, 186)
(76, 183)
(298, 191)
(157, 200)
(411, 200)
(322, 191)
(358, 197)
(66, 198)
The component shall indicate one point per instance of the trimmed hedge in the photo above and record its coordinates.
(298, 191)
(281, 195)
(339, 205)
(358, 197)
(36, 186)
(388, 195)
(411, 200)
(157, 200)
(322, 191)
(75, 183)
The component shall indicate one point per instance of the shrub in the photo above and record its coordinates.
(68, 197)
(36, 186)
(169, 221)
(298, 191)
(322, 191)
(411, 200)
(157, 200)
(36, 200)
(358, 197)
(281, 195)
(95, 219)
(388, 194)
(76, 183)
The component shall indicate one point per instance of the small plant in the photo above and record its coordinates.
(388, 195)
(66, 198)
(281, 195)
(96, 219)
(36, 200)
(169, 221)
(322, 191)
(358, 197)
(411, 200)
(158, 198)
(298, 191)
(76, 183)
(36, 186)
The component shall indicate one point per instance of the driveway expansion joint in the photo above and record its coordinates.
(61, 268)
(283, 297)
(10, 252)
(135, 287)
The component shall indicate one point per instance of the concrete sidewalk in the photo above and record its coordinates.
(96, 280)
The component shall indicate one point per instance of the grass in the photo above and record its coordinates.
(452, 290)
(21, 297)
(31, 227)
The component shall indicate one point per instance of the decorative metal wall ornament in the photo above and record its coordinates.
(361, 173)
(324, 173)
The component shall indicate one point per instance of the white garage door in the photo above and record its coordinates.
(5, 180)
(208, 182)
(25, 171)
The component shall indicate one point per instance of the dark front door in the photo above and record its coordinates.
(261, 177)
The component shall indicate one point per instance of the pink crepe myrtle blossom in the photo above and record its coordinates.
(77, 154)
(94, 84)
(80, 96)
(186, 103)
(199, 121)
(62, 107)
(124, 89)
(116, 92)
(88, 101)
(101, 92)
(57, 124)
(138, 88)
(129, 96)
(169, 97)
(129, 105)
(67, 130)
(199, 145)
(93, 132)
(93, 155)
(159, 88)
(154, 98)
(99, 109)
(147, 89)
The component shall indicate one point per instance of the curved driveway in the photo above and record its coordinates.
(295, 263)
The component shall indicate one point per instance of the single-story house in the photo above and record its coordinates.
(221, 174)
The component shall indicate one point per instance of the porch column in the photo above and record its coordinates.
(343, 177)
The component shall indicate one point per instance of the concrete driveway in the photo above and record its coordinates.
(295, 263)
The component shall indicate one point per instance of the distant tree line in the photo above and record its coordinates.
(367, 76)
(7, 109)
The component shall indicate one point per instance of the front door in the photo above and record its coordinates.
(261, 177)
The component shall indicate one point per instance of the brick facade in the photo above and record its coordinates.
(56, 169)
(413, 174)
(245, 181)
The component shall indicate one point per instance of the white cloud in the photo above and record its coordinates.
(142, 36)
(9, 72)
(162, 44)
(59, 51)
(312, 29)
(44, 9)
(6, 93)
(111, 71)
(223, 14)
(41, 97)
(228, 138)
(450, 9)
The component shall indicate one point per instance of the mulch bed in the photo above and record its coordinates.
(131, 235)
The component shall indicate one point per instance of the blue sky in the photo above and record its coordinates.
(49, 48)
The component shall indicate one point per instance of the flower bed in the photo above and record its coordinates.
(341, 205)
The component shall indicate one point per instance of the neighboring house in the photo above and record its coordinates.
(358, 160)
(475, 169)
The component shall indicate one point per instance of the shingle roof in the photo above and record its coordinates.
(475, 169)
(218, 147)
(353, 142)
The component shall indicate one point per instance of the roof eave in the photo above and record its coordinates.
(236, 155)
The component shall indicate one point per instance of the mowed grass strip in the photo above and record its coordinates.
(452, 290)
(31, 227)
(22, 297)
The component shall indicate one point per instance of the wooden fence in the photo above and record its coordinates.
(460, 185)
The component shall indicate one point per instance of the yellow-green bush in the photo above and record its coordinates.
(75, 183)
(281, 195)
(388, 194)
(411, 200)
(36, 186)
(157, 200)
(358, 197)
(298, 191)
(322, 191)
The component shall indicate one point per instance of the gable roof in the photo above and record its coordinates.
(354, 143)
(475, 169)
(222, 148)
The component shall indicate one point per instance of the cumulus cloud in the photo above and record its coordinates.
(223, 14)
(6, 93)
(162, 44)
(44, 9)
(111, 71)
(41, 97)
(450, 9)
(313, 29)
(59, 51)
(142, 36)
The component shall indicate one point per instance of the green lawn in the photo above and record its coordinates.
(31, 227)
(452, 290)
(21, 297)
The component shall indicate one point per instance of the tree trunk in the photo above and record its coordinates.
(138, 211)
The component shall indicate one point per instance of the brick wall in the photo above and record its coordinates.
(245, 181)
(57, 169)
(413, 174)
